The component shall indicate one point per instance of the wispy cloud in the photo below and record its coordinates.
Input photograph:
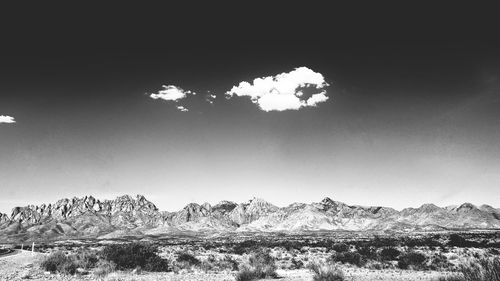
(173, 94)
(283, 91)
(182, 108)
(7, 119)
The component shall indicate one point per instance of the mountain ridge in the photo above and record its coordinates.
(90, 217)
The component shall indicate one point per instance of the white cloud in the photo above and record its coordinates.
(182, 108)
(7, 119)
(317, 98)
(211, 98)
(174, 94)
(171, 93)
(282, 92)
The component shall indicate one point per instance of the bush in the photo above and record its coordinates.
(322, 272)
(296, 263)
(187, 258)
(411, 259)
(340, 247)
(451, 278)
(439, 261)
(86, 259)
(389, 254)
(133, 255)
(59, 262)
(353, 258)
(103, 268)
(260, 265)
(482, 270)
(457, 241)
(367, 252)
(226, 263)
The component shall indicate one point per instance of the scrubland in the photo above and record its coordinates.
(434, 257)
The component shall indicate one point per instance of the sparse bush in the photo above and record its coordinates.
(457, 241)
(367, 252)
(228, 263)
(353, 258)
(260, 265)
(340, 247)
(323, 272)
(439, 261)
(247, 274)
(59, 262)
(188, 258)
(103, 268)
(454, 277)
(389, 254)
(411, 259)
(86, 259)
(482, 270)
(296, 263)
(244, 247)
(132, 255)
(214, 264)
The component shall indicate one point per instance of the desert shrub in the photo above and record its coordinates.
(244, 247)
(59, 262)
(155, 264)
(86, 259)
(133, 255)
(247, 274)
(376, 265)
(326, 272)
(439, 261)
(353, 258)
(389, 254)
(367, 252)
(456, 240)
(340, 247)
(454, 277)
(494, 252)
(187, 258)
(214, 264)
(411, 259)
(228, 263)
(296, 263)
(260, 265)
(103, 268)
(482, 270)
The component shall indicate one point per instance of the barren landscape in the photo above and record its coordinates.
(248, 140)
(130, 239)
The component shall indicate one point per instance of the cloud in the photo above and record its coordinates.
(283, 91)
(211, 97)
(317, 98)
(172, 93)
(182, 108)
(7, 119)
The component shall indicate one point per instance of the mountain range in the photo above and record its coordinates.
(88, 217)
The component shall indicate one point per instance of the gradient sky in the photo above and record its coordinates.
(413, 115)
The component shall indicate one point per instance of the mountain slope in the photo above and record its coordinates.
(126, 215)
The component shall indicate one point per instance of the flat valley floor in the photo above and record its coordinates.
(24, 265)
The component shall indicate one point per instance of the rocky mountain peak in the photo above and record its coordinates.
(3, 218)
(87, 216)
(429, 207)
(466, 207)
(327, 201)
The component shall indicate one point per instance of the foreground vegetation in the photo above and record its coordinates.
(459, 258)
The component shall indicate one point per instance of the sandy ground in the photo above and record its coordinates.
(24, 266)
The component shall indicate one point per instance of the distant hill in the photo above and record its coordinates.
(89, 217)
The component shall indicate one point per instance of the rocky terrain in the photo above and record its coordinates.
(128, 216)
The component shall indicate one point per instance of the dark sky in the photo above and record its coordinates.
(413, 113)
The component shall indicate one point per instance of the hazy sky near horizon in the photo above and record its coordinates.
(407, 122)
